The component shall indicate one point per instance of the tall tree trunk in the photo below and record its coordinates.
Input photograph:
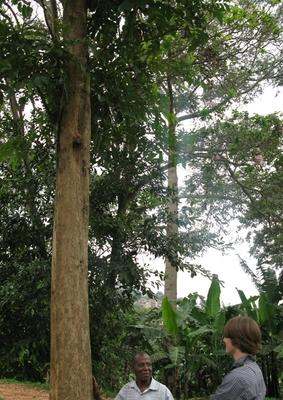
(117, 243)
(172, 227)
(70, 338)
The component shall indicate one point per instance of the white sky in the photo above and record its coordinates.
(227, 266)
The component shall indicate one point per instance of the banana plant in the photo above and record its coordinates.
(212, 305)
(188, 325)
(261, 309)
(187, 315)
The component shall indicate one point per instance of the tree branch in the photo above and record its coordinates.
(51, 16)
(198, 114)
(246, 191)
(12, 11)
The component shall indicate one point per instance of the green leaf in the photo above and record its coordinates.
(158, 356)
(6, 151)
(12, 151)
(279, 350)
(199, 332)
(247, 305)
(169, 317)
(176, 354)
(25, 10)
(5, 65)
(264, 308)
(219, 321)
(212, 306)
(204, 113)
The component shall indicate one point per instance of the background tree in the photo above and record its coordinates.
(234, 58)
(240, 177)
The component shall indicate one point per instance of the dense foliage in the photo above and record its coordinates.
(186, 341)
(212, 54)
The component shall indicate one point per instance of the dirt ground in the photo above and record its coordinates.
(21, 392)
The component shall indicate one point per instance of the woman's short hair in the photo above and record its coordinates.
(244, 333)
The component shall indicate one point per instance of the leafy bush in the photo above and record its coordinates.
(24, 320)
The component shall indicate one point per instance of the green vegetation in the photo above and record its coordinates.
(190, 348)
(162, 76)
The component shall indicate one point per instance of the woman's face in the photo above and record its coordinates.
(230, 348)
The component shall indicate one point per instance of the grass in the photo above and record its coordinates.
(34, 385)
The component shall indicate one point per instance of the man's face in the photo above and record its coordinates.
(143, 368)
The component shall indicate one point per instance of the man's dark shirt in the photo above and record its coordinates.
(243, 382)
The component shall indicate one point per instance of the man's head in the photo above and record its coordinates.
(142, 367)
(242, 333)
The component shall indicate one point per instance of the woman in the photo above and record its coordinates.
(242, 340)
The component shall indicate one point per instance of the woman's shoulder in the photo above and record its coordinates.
(246, 373)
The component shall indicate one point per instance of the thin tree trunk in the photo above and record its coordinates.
(70, 338)
(172, 227)
(117, 243)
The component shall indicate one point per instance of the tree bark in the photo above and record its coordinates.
(70, 338)
(172, 227)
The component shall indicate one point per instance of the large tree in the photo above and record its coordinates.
(242, 51)
(68, 108)
(70, 337)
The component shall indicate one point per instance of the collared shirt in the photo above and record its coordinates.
(243, 382)
(156, 391)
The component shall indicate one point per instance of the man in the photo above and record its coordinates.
(242, 340)
(144, 387)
